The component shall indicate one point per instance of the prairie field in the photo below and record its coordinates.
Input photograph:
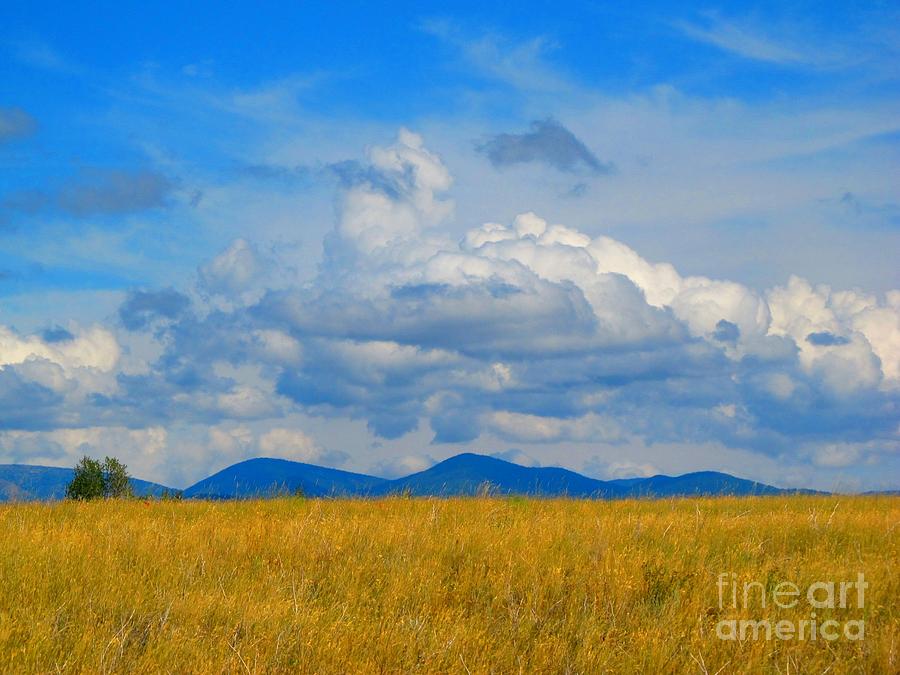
(477, 585)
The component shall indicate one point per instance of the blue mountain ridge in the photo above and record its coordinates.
(25, 482)
(469, 474)
(265, 477)
(464, 474)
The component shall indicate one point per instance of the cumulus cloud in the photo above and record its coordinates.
(298, 446)
(142, 308)
(537, 428)
(535, 332)
(404, 465)
(530, 332)
(850, 337)
(233, 271)
(548, 142)
(516, 457)
(136, 446)
(837, 455)
(395, 197)
(620, 469)
(52, 382)
(217, 445)
(94, 348)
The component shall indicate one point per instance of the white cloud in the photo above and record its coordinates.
(746, 41)
(869, 347)
(232, 271)
(291, 444)
(278, 347)
(516, 457)
(230, 442)
(543, 429)
(246, 402)
(143, 450)
(518, 64)
(837, 455)
(50, 381)
(94, 347)
(627, 469)
(373, 218)
(404, 465)
(802, 41)
(530, 331)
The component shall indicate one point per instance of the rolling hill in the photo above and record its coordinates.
(468, 473)
(700, 483)
(264, 477)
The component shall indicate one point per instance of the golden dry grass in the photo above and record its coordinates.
(429, 585)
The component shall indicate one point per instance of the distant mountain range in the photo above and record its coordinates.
(465, 474)
(469, 474)
(24, 482)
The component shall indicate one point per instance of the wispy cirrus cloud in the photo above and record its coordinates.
(521, 64)
(746, 40)
(39, 54)
(800, 43)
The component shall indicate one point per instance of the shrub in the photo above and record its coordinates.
(88, 481)
(94, 479)
(116, 482)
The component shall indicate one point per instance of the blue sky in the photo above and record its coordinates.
(624, 239)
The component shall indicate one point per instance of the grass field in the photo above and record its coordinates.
(429, 585)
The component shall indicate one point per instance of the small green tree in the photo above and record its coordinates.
(116, 482)
(88, 481)
(94, 480)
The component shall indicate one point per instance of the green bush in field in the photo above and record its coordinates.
(94, 479)
(116, 481)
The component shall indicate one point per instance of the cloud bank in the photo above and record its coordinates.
(528, 331)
